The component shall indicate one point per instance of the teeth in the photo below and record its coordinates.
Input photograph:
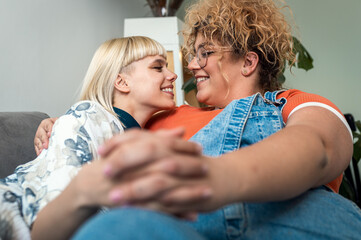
(201, 79)
(167, 90)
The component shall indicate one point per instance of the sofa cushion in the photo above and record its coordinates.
(17, 131)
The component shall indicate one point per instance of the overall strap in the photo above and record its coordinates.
(243, 122)
(226, 132)
(272, 97)
(223, 133)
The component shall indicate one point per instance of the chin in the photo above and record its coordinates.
(169, 106)
(202, 99)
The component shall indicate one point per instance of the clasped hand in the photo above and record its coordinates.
(158, 171)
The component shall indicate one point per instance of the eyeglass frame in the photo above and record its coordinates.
(206, 52)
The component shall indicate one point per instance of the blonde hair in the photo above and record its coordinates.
(244, 25)
(114, 57)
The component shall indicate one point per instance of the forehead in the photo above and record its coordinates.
(152, 59)
(201, 41)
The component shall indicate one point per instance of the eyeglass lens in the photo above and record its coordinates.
(202, 57)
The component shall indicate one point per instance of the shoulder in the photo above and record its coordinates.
(90, 114)
(297, 99)
(88, 107)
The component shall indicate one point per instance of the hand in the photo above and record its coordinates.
(42, 135)
(91, 188)
(137, 148)
(160, 171)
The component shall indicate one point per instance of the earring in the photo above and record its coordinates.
(244, 71)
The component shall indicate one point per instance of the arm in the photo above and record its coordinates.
(79, 201)
(73, 142)
(313, 149)
(92, 188)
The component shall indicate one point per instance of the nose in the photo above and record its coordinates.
(171, 76)
(193, 64)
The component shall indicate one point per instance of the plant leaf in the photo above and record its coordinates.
(281, 78)
(357, 150)
(358, 125)
(189, 85)
(304, 59)
(346, 190)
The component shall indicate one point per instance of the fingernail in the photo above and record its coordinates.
(205, 168)
(199, 148)
(115, 196)
(193, 217)
(207, 193)
(108, 170)
(169, 167)
(101, 150)
(126, 205)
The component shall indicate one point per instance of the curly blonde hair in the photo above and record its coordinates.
(244, 25)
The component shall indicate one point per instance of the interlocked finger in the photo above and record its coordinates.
(146, 188)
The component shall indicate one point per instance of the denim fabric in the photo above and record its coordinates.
(241, 123)
(135, 224)
(316, 214)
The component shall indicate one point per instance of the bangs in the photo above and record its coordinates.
(142, 47)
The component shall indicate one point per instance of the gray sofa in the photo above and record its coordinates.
(17, 131)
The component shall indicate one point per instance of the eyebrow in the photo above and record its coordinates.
(160, 61)
(203, 44)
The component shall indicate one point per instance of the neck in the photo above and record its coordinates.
(238, 91)
(141, 115)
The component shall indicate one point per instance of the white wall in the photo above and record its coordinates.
(331, 32)
(47, 45)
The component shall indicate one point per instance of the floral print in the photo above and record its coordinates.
(74, 141)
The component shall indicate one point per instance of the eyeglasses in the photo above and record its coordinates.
(202, 55)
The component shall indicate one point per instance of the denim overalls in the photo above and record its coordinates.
(247, 121)
(316, 214)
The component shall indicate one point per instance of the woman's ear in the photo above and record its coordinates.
(121, 84)
(250, 64)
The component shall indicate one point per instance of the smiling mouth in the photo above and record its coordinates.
(201, 79)
(167, 90)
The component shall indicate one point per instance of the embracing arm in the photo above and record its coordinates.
(92, 188)
(313, 149)
(79, 201)
(61, 217)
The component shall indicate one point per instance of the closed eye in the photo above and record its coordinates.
(159, 69)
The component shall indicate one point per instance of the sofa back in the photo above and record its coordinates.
(17, 131)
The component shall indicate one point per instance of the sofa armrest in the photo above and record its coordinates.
(17, 131)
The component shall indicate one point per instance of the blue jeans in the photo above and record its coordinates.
(316, 214)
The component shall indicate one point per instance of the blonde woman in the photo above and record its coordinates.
(126, 83)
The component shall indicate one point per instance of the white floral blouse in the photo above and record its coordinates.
(74, 141)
